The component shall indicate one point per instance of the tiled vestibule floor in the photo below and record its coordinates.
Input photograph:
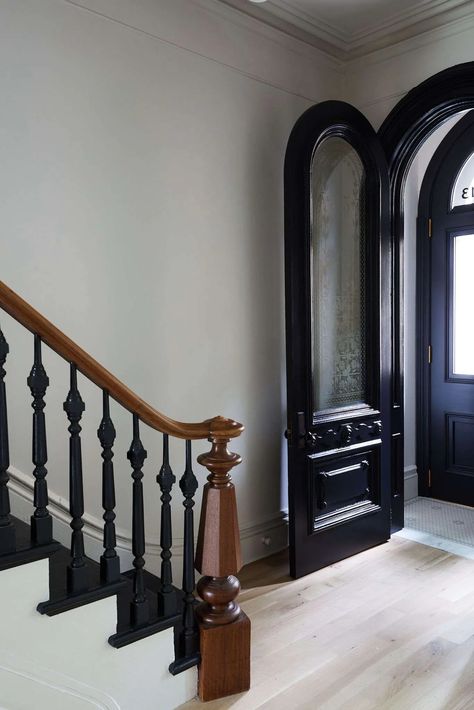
(447, 526)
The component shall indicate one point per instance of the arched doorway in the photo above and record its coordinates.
(346, 459)
(409, 124)
(445, 373)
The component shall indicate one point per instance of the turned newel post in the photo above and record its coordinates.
(224, 628)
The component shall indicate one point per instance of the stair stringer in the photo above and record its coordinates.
(74, 645)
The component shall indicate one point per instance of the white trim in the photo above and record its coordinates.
(403, 20)
(378, 55)
(259, 539)
(411, 482)
(286, 25)
(430, 16)
(299, 43)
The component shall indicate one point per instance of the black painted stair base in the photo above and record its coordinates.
(26, 550)
(60, 600)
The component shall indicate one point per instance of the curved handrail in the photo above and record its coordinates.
(21, 311)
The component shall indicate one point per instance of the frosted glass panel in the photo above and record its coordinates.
(338, 325)
(463, 284)
(463, 191)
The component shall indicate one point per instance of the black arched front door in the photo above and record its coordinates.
(338, 337)
(445, 315)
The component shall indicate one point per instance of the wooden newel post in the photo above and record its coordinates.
(224, 629)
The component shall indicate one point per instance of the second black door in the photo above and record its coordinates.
(446, 310)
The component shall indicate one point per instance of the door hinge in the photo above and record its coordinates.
(429, 478)
(430, 354)
(429, 228)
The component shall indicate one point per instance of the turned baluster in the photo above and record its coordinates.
(166, 479)
(137, 454)
(7, 530)
(224, 628)
(77, 571)
(189, 640)
(109, 561)
(38, 381)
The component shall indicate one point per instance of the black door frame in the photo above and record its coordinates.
(456, 140)
(402, 133)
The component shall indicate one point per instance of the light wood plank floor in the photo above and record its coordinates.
(389, 629)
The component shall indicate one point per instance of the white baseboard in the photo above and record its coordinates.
(411, 482)
(265, 538)
(258, 539)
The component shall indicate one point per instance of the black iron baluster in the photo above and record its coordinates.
(166, 478)
(109, 561)
(140, 608)
(7, 530)
(38, 381)
(77, 571)
(189, 638)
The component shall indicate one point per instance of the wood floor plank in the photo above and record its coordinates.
(389, 629)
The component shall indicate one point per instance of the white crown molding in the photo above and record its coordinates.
(290, 25)
(427, 16)
(258, 539)
(270, 27)
(413, 44)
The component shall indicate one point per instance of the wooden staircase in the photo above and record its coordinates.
(205, 632)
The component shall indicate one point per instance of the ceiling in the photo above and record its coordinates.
(348, 28)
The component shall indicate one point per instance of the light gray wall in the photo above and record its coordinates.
(141, 191)
(141, 196)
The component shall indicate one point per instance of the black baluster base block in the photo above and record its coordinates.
(186, 648)
(140, 612)
(109, 569)
(167, 603)
(127, 629)
(7, 538)
(41, 530)
(78, 578)
(61, 598)
(24, 549)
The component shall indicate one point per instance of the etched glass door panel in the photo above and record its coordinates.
(463, 298)
(338, 293)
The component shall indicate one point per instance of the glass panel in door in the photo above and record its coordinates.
(463, 300)
(338, 276)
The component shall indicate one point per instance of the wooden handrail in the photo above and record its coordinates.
(224, 629)
(25, 314)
